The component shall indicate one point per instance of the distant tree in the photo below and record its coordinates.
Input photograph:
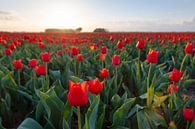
(100, 30)
(78, 29)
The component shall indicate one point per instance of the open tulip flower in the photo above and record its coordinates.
(95, 86)
(77, 94)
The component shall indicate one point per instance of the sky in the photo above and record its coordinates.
(114, 15)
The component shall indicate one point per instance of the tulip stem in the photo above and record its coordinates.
(46, 78)
(18, 77)
(139, 54)
(79, 117)
(149, 73)
(183, 62)
(34, 79)
(79, 68)
(86, 122)
(187, 126)
(150, 90)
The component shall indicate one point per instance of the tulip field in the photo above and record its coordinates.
(134, 80)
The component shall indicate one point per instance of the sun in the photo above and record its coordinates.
(62, 17)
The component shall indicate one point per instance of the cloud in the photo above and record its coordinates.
(8, 16)
(189, 23)
(151, 25)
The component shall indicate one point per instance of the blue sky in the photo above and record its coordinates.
(115, 15)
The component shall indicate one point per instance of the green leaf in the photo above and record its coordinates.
(119, 127)
(100, 121)
(142, 120)
(30, 123)
(75, 79)
(120, 114)
(65, 124)
(156, 118)
(150, 94)
(1, 126)
(67, 110)
(56, 74)
(134, 110)
(92, 112)
(192, 126)
(8, 80)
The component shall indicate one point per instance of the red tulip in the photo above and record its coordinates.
(102, 56)
(11, 46)
(95, 86)
(32, 63)
(120, 44)
(115, 60)
(104, 72)
(17, 64)
(123, 49)
(46, 56)
(152, 57)
(188, 113)
(140, 44)
(41, 70)
(3, 42)
(74, 50)
(8, 51)
(174, 87)
(41, 45)
(59, 52)
(100, 41)
(66, 49)
(127, 40)
(77, 95)
(189, 48)
(103, 49)
(112, 38)
(175, 75)
(80, 57)
(93, 46)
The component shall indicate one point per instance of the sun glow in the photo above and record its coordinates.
(59, 17)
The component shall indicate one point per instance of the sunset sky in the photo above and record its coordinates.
(114, 15)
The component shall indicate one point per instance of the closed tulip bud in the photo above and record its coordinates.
(41, 70)
(74, 50)
(102, 56)
(152, 57)
(112, 38)
(115, 60)
(100, 41)
(17, 64)
(45, 56)
(175, 75)
(103, 49)
(140, 44)
(32, 63)
(59, 52)
(41, 45)
(80, 57)
(188, 113)
(120, 44)
(93, 46)
(172, 87)
(8, 51)
(11, 46)
(189, 48)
